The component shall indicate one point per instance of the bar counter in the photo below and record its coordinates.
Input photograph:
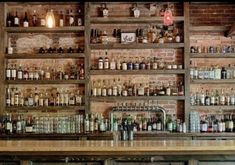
(168, 150)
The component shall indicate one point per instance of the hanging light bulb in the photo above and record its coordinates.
(50, 19)
(168, 18)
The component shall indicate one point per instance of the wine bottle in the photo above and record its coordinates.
(16, 20)
(26, 20)
(35, 19)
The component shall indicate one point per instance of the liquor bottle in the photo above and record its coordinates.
(232, 97)
(18, 125)
(20, 73)
(8, 97)
(36, 97)
(8, 124)
(9, 48)
(195, 74)
(223, 73)
(105, 10)
(230, 124)
(79, 23)
(13, 72)
(34, 19)
(29, 125)
(61, 21)
(104, 89)
(112, 64)
(212, 100)
(136, 11)
(71, 18)
(202, 97)
(41, 100)
(229, 72)
(16, 97)
(207, 98)
(217, 72)
(43, 21)
(8, 72)
(81, 72)
(124, 64)
(217, 97)
(26, 20)
(100, 63)
(30, 100)
(16, 20)
(222, 98)
(9, 20)
(47, 74)
(14, 126)
(180, 89)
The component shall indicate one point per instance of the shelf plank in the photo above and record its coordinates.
(129, 72)
(43, 29)
(220, 81)
(130, 20)
(212, 55)
(116, 98)
(45, 82)
(45, 55)
(215, 107)
(49, 108)
(209, 28)
(136, 46)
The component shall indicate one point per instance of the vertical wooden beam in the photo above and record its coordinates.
(2, 51)
(87, 55)
(186, 64)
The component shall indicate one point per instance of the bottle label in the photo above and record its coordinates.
(61, 22)
(71, 20)
(8, 74)
(13, 73)
(79, 22)
(10, 50)
(43, 22)
(16, 21)
(29, 129)
(26, 24)
(9, 126)
(20, 75)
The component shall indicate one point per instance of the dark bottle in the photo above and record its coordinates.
(34, 19)
(80, 15)
(9, 20)
(41, 50)
(60, 50)
(8, 124)
(16, 20)
(14, 124)
(71, 18)
(180, 89)
(70, 50)
(50, 50)
(82, 72)
(26, 20)
(223, 73)
(207, 98)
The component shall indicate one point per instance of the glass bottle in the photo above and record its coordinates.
(34, 19)
(26, 20)
(16, 20)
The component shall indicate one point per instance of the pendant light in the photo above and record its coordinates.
(168, 18)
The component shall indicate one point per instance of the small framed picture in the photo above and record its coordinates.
(127, 37)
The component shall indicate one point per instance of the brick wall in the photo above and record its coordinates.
(212, 13)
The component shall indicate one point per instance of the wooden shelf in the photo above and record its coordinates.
(49, 108)
(131, 20)
(115, 98)
(212, 55)
(136, 46)
(220, 81)
(208, 28)
(134, 72)
(44, 29)
(39, 82)
(215, 107)
(45, 55)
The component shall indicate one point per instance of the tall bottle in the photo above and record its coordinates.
(26, 20)
(34, 19)
(71, 18)
(61, 21)
(16, 20)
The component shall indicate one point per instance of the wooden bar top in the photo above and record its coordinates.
(173, 147)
